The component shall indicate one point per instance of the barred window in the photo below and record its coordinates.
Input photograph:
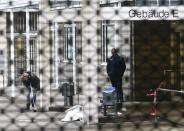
(20, 57)
(65, 3)
(19, 22)
(33, 21)
(8, 21)
(33, 55)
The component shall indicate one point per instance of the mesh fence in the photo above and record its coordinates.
(66, 46)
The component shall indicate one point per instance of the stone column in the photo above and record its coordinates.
(45, 54)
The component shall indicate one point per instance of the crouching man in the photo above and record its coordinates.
(32, 84)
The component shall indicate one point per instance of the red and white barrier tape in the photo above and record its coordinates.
(168, 90)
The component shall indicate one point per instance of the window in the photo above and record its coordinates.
(140, 2)
(163, 2)
(66, 50)
(20, 58)
(108, 40)
(177, 2)
(8, 22)
(65, 3)
(19, 22)
(33, 21)
(159, 2)
(69, 42)
(146, 2)
(9, 60)
(33, 55)
(128, 3)
(108, 3)
(153, 3)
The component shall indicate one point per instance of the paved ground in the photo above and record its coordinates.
(135, 118)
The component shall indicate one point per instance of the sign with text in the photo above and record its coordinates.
(144, 13)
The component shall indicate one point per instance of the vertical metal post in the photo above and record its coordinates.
(12, 50)
(155, 104)
(132, 62)
(74, 58)
(102, 43)
(56, 54)
(105, 40)
(27, 41)
(39, 57)
(115, 26)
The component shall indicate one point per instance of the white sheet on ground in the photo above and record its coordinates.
(74, 113)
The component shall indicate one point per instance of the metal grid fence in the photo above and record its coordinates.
(68, 49)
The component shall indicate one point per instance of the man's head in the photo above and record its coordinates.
(114, 51)
(24, 76)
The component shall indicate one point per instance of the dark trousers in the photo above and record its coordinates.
(117, 83)
(31, 99)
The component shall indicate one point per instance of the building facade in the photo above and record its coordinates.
(68, 41)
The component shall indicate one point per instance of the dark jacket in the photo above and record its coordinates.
(33, 81)
(115, 66)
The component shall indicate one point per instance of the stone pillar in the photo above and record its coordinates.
(45, 54)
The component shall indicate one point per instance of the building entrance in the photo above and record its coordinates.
(156, 49)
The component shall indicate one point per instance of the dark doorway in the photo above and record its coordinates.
(156, 48)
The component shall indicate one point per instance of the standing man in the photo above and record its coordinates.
(32, 84)
(115, 70)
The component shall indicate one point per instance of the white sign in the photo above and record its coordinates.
(143, 13)
(153, 14)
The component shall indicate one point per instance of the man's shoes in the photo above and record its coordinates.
(34, 109)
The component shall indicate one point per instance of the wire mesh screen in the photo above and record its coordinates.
(91, 65)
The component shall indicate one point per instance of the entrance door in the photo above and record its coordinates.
(69, 48)
(156, 49)
(20, 58)
(68, 62)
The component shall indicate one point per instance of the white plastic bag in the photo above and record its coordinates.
(75, 113)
